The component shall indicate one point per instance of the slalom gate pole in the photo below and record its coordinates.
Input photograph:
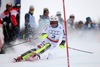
(65, 29)
(80, 50)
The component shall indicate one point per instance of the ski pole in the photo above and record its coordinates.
(17, 44)
(21, 43)
(35, 38)
(80, 50)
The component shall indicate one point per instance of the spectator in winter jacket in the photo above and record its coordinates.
(79, 25)
(45, 14)
(70, 21)
(12, 22)
(89, 24)
(6, 12)
(30, 23)
(44, 19)
(1, 38)
(15, 18)
(60, 19)
(14, 12)
(5, 16)
(10, 16)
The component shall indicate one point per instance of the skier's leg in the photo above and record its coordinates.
(51, 50)
(43, 48)
(28, 53)
(33, 57)
(25, 55)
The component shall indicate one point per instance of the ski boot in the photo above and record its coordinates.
(18, 59)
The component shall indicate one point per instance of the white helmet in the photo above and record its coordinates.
(53, 18)
(54, 21)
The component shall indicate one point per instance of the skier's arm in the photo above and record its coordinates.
(44, 33)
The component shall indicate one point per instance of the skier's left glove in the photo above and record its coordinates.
(43, 35)
(62, 44)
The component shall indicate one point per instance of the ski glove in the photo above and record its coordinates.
(62, 44)
(43, 35)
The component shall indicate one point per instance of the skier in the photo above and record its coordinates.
(52, 34)
(53, 31)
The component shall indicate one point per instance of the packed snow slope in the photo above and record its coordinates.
(86, 41)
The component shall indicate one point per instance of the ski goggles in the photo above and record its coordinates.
(53, 22)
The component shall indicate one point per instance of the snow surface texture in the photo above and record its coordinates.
(88, 41)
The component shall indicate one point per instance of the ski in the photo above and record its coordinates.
(29, 53)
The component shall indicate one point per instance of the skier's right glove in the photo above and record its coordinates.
(43, 35)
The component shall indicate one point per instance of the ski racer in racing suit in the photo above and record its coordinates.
(52, 33)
